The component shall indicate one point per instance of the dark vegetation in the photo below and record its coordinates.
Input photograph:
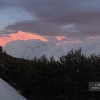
(43, 79)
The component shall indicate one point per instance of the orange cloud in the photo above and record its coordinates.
(93, 36)
(19, 36)
(68, 42)
(60, 37)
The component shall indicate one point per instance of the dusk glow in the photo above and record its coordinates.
(62, 23)
(20, 36)
(50, 49)
(51, 17)
(60, 37)
(69, 42)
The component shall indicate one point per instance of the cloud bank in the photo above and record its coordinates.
(53, 17)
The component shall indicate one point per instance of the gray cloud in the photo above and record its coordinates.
(40, 27)
(5, 4)
(6, 32)
(1, 4)
(53, 14)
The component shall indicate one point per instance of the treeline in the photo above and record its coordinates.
(43, 79)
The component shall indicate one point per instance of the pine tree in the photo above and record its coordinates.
(1, 49)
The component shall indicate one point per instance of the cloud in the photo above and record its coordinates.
(4, 4)
(5, 32)
(54, 14)
(40, 27)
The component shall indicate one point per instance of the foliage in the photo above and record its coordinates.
(43, 79)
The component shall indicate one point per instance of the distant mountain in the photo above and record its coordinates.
(31, 48)
(25, 45)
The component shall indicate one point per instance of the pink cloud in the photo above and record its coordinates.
(20, 36)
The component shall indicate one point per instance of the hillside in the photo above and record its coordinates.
(31, 48)
(46, 79)
(27, 45)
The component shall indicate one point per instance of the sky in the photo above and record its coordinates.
(71, 18)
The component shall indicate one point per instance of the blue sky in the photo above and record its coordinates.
(51, 17)
(11, 16)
